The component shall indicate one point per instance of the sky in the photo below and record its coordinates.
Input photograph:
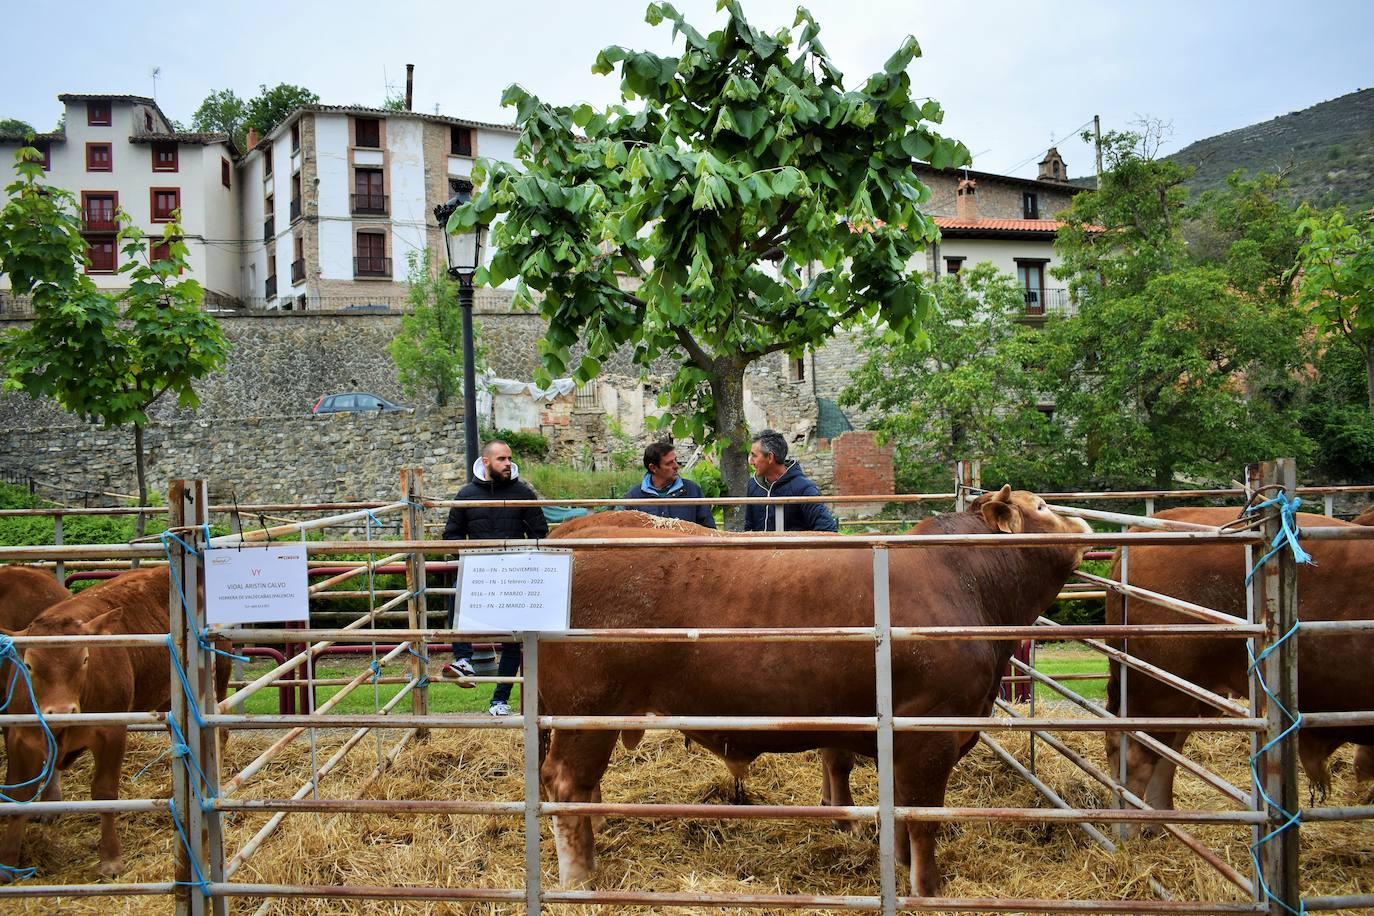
(1012, 76)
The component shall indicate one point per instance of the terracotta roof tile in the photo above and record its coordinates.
(998, 225)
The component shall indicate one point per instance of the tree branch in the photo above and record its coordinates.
(694, 349)
(771, 239)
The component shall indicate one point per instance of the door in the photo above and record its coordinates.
(1031, 275)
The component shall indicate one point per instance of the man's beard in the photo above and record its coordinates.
(501, 475)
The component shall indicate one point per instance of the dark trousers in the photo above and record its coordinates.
(511, 657)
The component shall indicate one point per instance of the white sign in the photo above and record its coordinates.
(256, 584)
(515, 591)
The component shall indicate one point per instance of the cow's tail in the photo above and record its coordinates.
(630, 738)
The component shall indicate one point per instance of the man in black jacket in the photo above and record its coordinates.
(662, 481)
(497, 477)
(776, 476)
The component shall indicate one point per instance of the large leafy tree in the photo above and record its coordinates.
(16, 127)
(427, 350)
(109, 355)
(1169, 366)
(1338, 281)
(222, 112)
(965, 389)
(749, 203)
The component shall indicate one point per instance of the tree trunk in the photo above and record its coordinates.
(140, 523)
(1369, 375)
(1164, 475)
(732, 432)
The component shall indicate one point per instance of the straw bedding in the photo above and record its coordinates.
(979, 860)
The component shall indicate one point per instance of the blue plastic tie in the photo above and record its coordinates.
(376, 670)
(1288, 531)
(40, 782)
(203, 639)
(199, 881)
(423, 682)
(17, 874)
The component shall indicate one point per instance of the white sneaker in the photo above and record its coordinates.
(499, 708)
(459, 670)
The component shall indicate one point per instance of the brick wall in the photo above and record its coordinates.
(862, 466)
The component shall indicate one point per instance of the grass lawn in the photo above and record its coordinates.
(1071, 658)
(444, 697)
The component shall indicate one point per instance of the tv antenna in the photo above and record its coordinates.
(157, 71)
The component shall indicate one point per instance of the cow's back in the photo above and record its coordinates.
(1332, 673)
(25, 592)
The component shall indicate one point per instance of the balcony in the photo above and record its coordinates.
(372, 267)
(370, 203)
(1043, 302)
(99, 219)
(298, 270)
(269, 228)
(270, 288)
(295, 210)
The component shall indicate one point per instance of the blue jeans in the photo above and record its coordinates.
(511, 656)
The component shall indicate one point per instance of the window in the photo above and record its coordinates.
(371, 260)
(1031, 275)
(159, 250)
(269, 206)
(224, 169)
(148, 120)
(1030, 205)
(295, 135)
(953, 266)
(797, 369)
(99, 157)
(367, 132)
(98, 113)
(1046, 411)
(298, 265)
(99, 211)
(295, 197)
(367, 191)
(460, 188)
(101, 254)
(460, 141)
(164, 157)
(45, 149)
(165, 203)
(266, 161)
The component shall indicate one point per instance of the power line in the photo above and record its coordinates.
(1053, 142)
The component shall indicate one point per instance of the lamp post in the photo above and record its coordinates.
(464, 250)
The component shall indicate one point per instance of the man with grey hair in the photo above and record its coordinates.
(775, 475)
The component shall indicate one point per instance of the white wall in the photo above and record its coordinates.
(336, 223)
(409, 200)
(1002, 253)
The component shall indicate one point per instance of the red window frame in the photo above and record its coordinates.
(109, 260)
(159, 250)
(266, 161)
(87, 197)
(225, 172)
(99, 113)
(460, 141)
(44, 147)
(163, 215)
(374, 132)
(163, 163)
(92, 165)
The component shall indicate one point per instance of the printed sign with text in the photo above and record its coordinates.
(515, 591)
(256, 584)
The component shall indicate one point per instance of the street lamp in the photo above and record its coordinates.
(464, 250)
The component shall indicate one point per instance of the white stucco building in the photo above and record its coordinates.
(120, 153)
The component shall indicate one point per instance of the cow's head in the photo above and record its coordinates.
(1020, 511)
(59, 673)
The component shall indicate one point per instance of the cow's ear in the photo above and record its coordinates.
(99, 625)
(1002, 516)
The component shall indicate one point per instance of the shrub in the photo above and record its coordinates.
(529, 446)
(707, 476)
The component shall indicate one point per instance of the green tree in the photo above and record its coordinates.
(1168, 367)
(271, 106)
(962, 390)
(1337, 286)
(222, 112)
(428, 348)
(1334, 413)
(750, 204)
(109, 355)
(16, 127)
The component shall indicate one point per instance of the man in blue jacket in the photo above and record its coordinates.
(662, 481)
(774, 475)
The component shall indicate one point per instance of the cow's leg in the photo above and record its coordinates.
(108, 750)
(1159, 791)
(836, 765)
(52, 793)
(24, 753)
(922, 764)
(1364, 762)
(572, 772)
(1314, 748)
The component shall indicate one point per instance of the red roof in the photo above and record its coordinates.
(999, 225)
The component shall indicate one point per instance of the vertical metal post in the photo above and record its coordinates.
(417, 617)
(967, 474)
(529, 704)
(1123, 742)
(1149, 505)
(61, 569)
(1329, 505)
(1277, 767)
(887, 829)
(469, 372)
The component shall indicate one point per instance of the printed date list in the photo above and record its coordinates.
(515, 591)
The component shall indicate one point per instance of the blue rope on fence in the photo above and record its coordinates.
(376, 670)
(199, 881)
(1288, 531)
(9, 653)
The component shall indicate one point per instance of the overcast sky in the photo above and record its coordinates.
(1011, 75)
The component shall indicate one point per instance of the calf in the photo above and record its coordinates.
(73, 678)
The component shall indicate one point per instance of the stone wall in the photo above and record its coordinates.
(339, 457)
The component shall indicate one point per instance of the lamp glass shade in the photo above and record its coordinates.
(464, 251)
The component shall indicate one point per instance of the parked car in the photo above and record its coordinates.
(353, 401)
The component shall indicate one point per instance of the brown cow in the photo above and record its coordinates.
(25, 591)
(73, 678)
(1333, 671)
(675, 587)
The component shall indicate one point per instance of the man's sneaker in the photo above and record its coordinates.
(459, 670)
(500, 708)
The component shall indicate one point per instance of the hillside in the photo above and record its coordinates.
(1328, 150)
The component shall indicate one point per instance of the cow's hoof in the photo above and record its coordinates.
(112, 868)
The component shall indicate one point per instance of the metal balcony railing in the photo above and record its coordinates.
(99, 219)
(298, 270)
(372, 267)
(1042, 302)
(370, 203)
(295, 210)
(270, 288)
(269, 228)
